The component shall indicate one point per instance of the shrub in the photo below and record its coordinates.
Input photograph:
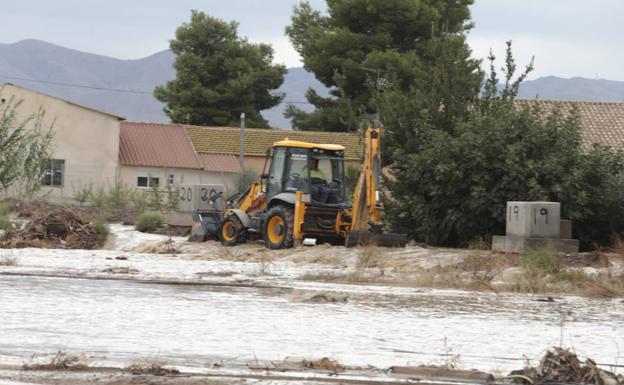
(101, 229)
(541, 262)
(98, 198)
(148, 221)
(83, 193)
(119, 195)
(139, 201)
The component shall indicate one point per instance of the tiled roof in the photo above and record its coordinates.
(156, 145)
(226, 140)
(601, 122)
(219, 162)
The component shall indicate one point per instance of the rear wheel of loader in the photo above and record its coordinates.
(278, 228)
(230, 231)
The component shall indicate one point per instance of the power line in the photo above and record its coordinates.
(78, 85)
(120, 90)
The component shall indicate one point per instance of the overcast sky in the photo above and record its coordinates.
(568, 37)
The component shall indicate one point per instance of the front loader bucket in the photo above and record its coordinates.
(363, 238)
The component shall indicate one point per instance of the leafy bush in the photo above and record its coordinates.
(148, 221)
(451, 186)
(25, 148)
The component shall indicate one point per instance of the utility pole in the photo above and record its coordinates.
(242, 141)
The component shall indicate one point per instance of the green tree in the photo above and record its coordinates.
(25, 148)
(359, 42)
(219, 75)
(451, 186)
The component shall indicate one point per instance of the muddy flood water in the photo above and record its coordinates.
(196, 326)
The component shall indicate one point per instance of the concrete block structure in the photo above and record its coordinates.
(535, 225)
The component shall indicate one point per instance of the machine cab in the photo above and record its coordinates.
(314, 169)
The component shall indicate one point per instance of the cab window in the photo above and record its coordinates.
(276, 173)
(297, 174)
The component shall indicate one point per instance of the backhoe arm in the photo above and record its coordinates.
(367, 196)
(366, 227)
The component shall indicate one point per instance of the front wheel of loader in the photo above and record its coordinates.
(278, 228)
(230, 231)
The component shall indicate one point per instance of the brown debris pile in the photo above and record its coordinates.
(61, 228)
(155, 369)
(300, 364)
(563, 366)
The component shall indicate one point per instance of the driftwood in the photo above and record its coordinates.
(61, 228)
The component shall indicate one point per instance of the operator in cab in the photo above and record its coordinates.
(320, 190)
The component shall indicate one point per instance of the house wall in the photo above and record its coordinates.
(129, 174)
(87, 140)
(255, 163)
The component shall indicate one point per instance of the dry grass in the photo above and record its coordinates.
(617, 245)
(227, 273)
(60, 361)
(539, 272)
(327, 259)
(8, 261)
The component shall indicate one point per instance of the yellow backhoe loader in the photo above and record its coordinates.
(301, 197)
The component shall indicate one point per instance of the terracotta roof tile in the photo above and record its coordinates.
(226, 140)
(601, 122)
(156, 145)
(219, 162)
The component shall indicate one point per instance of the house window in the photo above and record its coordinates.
(54, 173)
(144, 181)
(171, 179)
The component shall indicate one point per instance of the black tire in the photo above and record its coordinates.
(277, 231)
(230, 231)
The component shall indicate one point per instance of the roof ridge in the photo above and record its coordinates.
(569, 101)
(72, 103)
(195, 154)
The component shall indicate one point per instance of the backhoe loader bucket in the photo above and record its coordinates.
(363, 238)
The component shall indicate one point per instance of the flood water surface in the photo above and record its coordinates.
(200, 325)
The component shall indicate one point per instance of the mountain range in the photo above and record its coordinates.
(124, 87)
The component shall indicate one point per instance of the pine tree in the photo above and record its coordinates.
(219, 75)
(360, 42)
